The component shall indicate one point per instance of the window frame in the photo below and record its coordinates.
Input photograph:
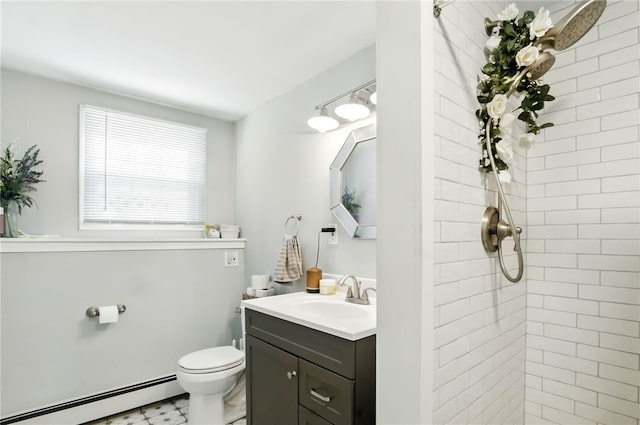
(150, 226)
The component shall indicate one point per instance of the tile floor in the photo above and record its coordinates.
(168, 412)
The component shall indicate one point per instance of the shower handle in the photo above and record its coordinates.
(495, 230)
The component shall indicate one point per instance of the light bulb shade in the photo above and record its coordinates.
(353, 110)
(323, 122)
(374, 98)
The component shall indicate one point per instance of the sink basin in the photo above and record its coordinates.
(338, 310)
(326, 313)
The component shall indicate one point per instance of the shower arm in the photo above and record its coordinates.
(502, 200)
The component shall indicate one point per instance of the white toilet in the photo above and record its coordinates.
(208, 375)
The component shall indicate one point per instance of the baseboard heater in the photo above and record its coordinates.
(110, 402)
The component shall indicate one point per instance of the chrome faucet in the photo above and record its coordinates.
(353, 293)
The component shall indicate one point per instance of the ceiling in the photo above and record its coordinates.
(223, 59)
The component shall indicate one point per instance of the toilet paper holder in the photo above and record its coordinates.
(94, 312)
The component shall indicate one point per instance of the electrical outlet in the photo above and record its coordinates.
(231, 259)
(333, 237)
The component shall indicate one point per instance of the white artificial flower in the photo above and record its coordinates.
(540, 24)
(497, 106)
(506, 122)
(504, 176)
(505, 149)
(491, 45)
(527, 140)
(509, 14)
(527, 55)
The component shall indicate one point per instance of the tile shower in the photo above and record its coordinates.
(583, 217)
(563, 345)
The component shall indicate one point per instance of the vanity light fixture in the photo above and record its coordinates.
(361, 101)
(323, 122)
(352, 110)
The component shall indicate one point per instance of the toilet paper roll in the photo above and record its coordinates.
(260, 281)
(262, 293)
(108, 314)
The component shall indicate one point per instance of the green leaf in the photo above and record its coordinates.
(489, 68)
(508, 29)
(537, 106)
(547, 125)
(528, 17)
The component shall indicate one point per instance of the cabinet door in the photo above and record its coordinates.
(272, 384)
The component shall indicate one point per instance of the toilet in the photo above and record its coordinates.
(208, 375)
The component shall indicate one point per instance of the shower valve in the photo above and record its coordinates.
(495, 230)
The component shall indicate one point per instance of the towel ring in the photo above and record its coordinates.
(297, 218)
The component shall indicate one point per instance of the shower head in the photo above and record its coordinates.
(534, 71)
(541, 65)
(573, 26)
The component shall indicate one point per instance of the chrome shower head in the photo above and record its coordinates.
(573, 26)
(541, 65)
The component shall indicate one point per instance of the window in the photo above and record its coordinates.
(140, 170)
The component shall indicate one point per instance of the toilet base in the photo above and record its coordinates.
(206, 410)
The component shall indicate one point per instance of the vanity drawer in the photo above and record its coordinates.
(329, 351)
(325, 393)
(307, 417)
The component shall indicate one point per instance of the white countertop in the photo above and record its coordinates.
(327, 313)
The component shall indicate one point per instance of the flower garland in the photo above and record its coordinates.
(511, 49)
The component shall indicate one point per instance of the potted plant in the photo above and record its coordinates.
(349, 202)
(17, 181)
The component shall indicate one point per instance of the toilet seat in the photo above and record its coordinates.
(211, 360)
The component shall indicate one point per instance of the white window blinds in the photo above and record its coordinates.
(140, 170)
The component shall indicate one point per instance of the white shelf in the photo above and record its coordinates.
(14, 245)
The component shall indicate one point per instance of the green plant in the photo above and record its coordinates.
(510, 51)
(349, 200)
(18, 176)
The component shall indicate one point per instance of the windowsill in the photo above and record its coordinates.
(14, 245)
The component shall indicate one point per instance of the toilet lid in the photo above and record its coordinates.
(211, 360)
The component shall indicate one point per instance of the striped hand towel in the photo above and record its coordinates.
(289, 265)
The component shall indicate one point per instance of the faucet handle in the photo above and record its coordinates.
(365, 296)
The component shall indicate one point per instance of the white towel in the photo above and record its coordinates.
(289, 265)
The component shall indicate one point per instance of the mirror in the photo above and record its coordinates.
(353, 184)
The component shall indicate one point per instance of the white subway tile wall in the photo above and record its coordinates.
(480, 317)
(583, 205)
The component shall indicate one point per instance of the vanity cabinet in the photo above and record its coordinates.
(299, 375)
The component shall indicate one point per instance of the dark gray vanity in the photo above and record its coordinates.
(298, 375)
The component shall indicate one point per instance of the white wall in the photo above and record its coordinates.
(405, 197)
(480, 322)
(45, 112)
(283, 169)
(178, 301)
(583, 256)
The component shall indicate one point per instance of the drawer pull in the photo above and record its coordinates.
(319, 396)
(291, 374)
